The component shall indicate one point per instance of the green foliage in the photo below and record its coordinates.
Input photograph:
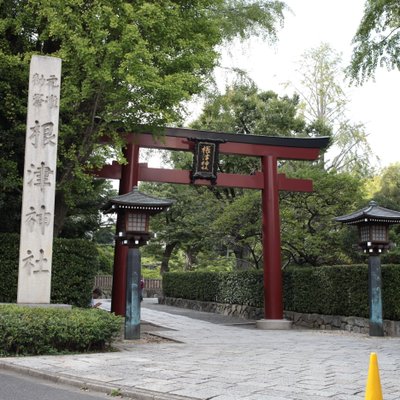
(10, 193)
(324, 103)
(310, 236)
(83, 219)
(239, 225)
(106, 259)
(243, 108)
(116, 393)
(207, 261)
(35, 331)
(333, 290)
(377, 40)
(340, 290)
(201, 286)
(391, 292)
(329, 290)
(75, 263)
(387, 194)
(148, 273)
(9, 254)
(244, 287)
(230, 222)
(187, 225)
(321, 86)
(124, 64)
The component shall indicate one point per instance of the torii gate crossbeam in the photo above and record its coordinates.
(269, 149)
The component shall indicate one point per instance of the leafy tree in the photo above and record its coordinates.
(10, 195)
(387, 194)
(84, 219)
(188, 225)
(377, 40)
(324, 108)
(239, 226)
(308, 228)
(124, 64)
(324, 97)
(307, 219)
(310, 236)
(244, 109)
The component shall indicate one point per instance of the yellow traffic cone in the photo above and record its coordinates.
(374, 390)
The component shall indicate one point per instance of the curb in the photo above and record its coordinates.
(96, 386)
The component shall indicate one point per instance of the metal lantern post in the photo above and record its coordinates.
(134, 209)
(373, 225)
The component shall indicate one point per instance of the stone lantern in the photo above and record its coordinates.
(134, 210)
(373, 225)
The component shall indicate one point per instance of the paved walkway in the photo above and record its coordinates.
(217, 361)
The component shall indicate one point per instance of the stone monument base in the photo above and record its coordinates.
(273, 324)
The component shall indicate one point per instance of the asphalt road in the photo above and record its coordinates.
(19, 387)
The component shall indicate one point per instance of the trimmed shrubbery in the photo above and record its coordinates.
(222, 287)
(75, 263)
(331, 290)
(9, 253)
(34, 331)
(244, 287)
(201, 286)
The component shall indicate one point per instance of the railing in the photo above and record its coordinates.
(153, 283)
(104, 282)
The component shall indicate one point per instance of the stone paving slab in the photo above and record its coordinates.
(220, 362)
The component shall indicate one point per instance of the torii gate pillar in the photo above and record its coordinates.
(271, 240)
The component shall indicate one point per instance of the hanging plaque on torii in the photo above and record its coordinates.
(268, 180)
(205, 160)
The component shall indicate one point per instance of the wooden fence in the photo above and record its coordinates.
(151, 286)
(103, 282)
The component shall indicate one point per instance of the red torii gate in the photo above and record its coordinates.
(270, 149)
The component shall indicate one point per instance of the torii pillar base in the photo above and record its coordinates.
(274, 324)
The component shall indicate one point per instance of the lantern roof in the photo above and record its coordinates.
(138, 201)
(372, 213)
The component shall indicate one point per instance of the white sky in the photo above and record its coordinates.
(334, 22)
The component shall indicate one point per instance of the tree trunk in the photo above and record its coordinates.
(190, 259)
(169, 248)
(241, 254)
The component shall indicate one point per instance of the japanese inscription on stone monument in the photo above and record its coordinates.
(36, 243)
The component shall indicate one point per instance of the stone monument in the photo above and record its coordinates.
(37, 216)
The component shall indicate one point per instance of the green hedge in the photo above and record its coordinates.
(35, 331)
(75, 263)
(9, 253)
(331, 290)
(193, 285)
(222, 287)
(244, 287)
